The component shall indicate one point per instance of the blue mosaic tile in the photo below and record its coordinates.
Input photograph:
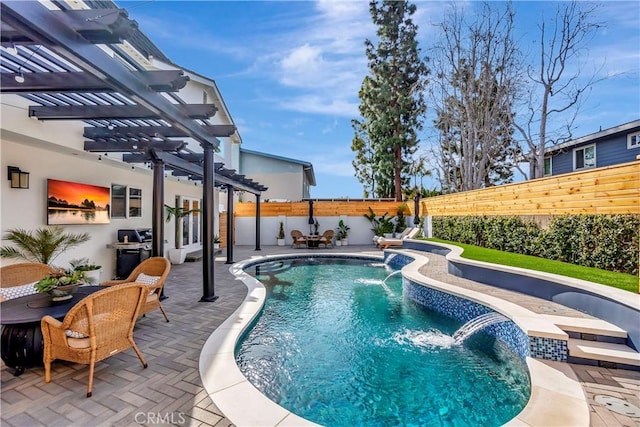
(465, 310)
(397, 260)
(548, 348)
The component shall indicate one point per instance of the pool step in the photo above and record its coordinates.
(609, 353)
(578, 327)
(596, 342)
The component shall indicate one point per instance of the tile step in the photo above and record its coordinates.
(608, 352)
(586, 326)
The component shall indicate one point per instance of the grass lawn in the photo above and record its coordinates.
(627, 282)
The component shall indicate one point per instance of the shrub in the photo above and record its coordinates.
(608, 242)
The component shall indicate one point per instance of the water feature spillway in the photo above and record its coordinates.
(393, 273)
(476, 324)
(389, 258)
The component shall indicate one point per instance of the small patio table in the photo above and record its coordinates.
(21, 341)
(313, 241)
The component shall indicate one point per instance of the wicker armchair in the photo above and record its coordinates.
(22, 274)
(298, 238)
(97, 327)
(326, 238)
(156, 267)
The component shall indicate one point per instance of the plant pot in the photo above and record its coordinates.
(280, 242)
(92, 277)
(177, 256)
(63, 293)
(338, 242)
(345, 242)
(216, 246)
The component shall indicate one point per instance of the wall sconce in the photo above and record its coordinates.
(18, 178)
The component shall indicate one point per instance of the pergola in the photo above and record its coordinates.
(56, 59)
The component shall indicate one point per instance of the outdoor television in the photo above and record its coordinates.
(76, 203)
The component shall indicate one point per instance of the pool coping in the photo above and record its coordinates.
(556, 397)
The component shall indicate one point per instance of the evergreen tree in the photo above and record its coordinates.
(392, 103)
(363, 163)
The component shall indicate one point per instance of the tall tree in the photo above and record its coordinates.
(392, 101)
(477, 64)
(363, 163)
(557, 86)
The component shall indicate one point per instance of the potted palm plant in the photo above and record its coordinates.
(42, 245)
(178, 254)
(280, 236)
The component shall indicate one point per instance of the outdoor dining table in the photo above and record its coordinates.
(21, 341)
(313, 241)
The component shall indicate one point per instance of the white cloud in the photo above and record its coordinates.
(313, 103)
(322, 62)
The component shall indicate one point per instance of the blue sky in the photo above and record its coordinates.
(290, 72)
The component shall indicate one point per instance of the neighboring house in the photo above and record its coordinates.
(287, 179)
(608, 147)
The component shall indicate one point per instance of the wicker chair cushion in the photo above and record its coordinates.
(79, 342)
(17, 291)
(145, 279)
(73, 334)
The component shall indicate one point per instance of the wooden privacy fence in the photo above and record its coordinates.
(607, 190)
(320, 208)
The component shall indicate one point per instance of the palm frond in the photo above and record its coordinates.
(42, 245)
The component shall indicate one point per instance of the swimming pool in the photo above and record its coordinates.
(338, 346)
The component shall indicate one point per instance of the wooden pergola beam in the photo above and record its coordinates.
(132, 146)
(98, 26)
(114, 112)
(76, 82)
(218, 131)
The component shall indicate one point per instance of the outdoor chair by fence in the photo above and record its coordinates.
(17, 280)
(326, 238)
(408, 233)
(97, 327)
(298, 239)
(151, 272)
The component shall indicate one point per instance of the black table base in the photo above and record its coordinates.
(22, 346)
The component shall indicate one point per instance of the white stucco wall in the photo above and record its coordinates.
(27, 209)
(359, 234)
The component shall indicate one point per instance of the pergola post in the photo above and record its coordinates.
(157, 213)
(208, 290)
(257, 222)
(229, 225)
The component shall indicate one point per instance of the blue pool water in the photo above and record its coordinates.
(337, 346)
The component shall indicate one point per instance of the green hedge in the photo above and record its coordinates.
(608, 242)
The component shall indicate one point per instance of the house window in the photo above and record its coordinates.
(633, 140)
(547, 166)
(135, 202)
(584, 157)
(125, 200)
(118, 201)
